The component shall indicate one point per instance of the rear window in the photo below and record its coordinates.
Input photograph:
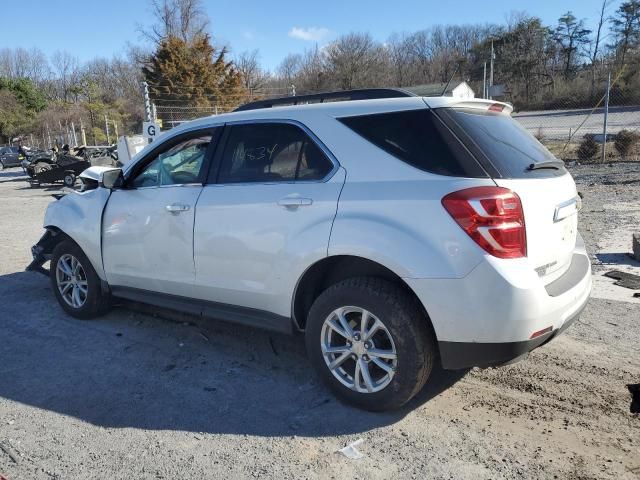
(506, 144)
(419, 138)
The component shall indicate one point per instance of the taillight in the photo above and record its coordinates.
(492, 217)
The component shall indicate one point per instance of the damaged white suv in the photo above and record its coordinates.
(395, 231)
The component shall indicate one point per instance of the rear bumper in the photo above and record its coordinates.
(460, 355)
(490, 316)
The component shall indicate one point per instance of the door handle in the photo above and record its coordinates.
(293, 202)
(177, 208)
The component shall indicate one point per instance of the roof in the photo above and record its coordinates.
(306, 113)
(433, 89)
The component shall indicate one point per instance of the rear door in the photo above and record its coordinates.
(264, 216)
(521, 163)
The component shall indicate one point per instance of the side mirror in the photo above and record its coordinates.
(112, 178)
(107, 177)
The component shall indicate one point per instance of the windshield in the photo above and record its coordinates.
(507, 145)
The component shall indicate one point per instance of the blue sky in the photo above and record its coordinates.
(103, 27)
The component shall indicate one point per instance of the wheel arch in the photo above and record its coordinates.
(333, 269)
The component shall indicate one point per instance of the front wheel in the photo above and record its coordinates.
(369, 340)
(75, 283)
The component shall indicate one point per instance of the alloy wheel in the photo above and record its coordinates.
(71, 280)
(358, 349)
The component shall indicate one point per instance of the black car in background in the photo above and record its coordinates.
(10, 157)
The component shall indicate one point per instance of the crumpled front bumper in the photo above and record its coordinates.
(41, 252)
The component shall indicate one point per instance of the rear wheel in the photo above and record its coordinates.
(75, 283)
(370, 342)
(69, 179)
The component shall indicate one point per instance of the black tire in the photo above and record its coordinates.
(69, 179)
(96, 302)
(404, 320)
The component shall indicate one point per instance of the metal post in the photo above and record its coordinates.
(491, 73)
(154, 113)
(606, 118)
(115, 127)
(75, 137)
(106, 127)
(484, 81)
(83, 133)
(147, 101)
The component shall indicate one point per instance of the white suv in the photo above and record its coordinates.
(394, 232)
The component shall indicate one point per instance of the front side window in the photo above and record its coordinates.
(180, 164)
(271, 152)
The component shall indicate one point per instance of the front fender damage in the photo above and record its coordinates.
(76, 216)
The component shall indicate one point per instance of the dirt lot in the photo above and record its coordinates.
(133, 396)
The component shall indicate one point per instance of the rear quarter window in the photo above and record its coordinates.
(419, 138)
(504, 143)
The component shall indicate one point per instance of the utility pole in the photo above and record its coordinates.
(106, 127)
(606, 118)
(49, 135)
(115, 127)
(491, 72)
(484, 81)
(147, 101)
(293, 90)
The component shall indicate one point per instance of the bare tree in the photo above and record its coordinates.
(185, 19)
(289, 68)
(67, 70)
(253, 77)
(351, 60)
(400, 49)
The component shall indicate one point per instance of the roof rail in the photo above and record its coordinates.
(361, 94)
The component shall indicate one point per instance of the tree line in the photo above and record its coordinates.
(540, 65)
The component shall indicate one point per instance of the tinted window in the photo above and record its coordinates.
(179, 164)
(271, 152)
(507, 145)
(418, 138)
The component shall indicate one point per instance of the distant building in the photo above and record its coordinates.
(455, 89)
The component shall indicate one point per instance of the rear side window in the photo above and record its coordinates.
(419, 138)
(271, 152)
(506, 144)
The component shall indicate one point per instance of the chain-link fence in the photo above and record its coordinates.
(571, 129)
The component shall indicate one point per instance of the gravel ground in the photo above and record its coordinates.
(136, 396)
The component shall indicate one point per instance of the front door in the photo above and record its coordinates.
(148, 224)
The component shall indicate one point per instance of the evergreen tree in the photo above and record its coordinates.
(626, 27)
(193, 74)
